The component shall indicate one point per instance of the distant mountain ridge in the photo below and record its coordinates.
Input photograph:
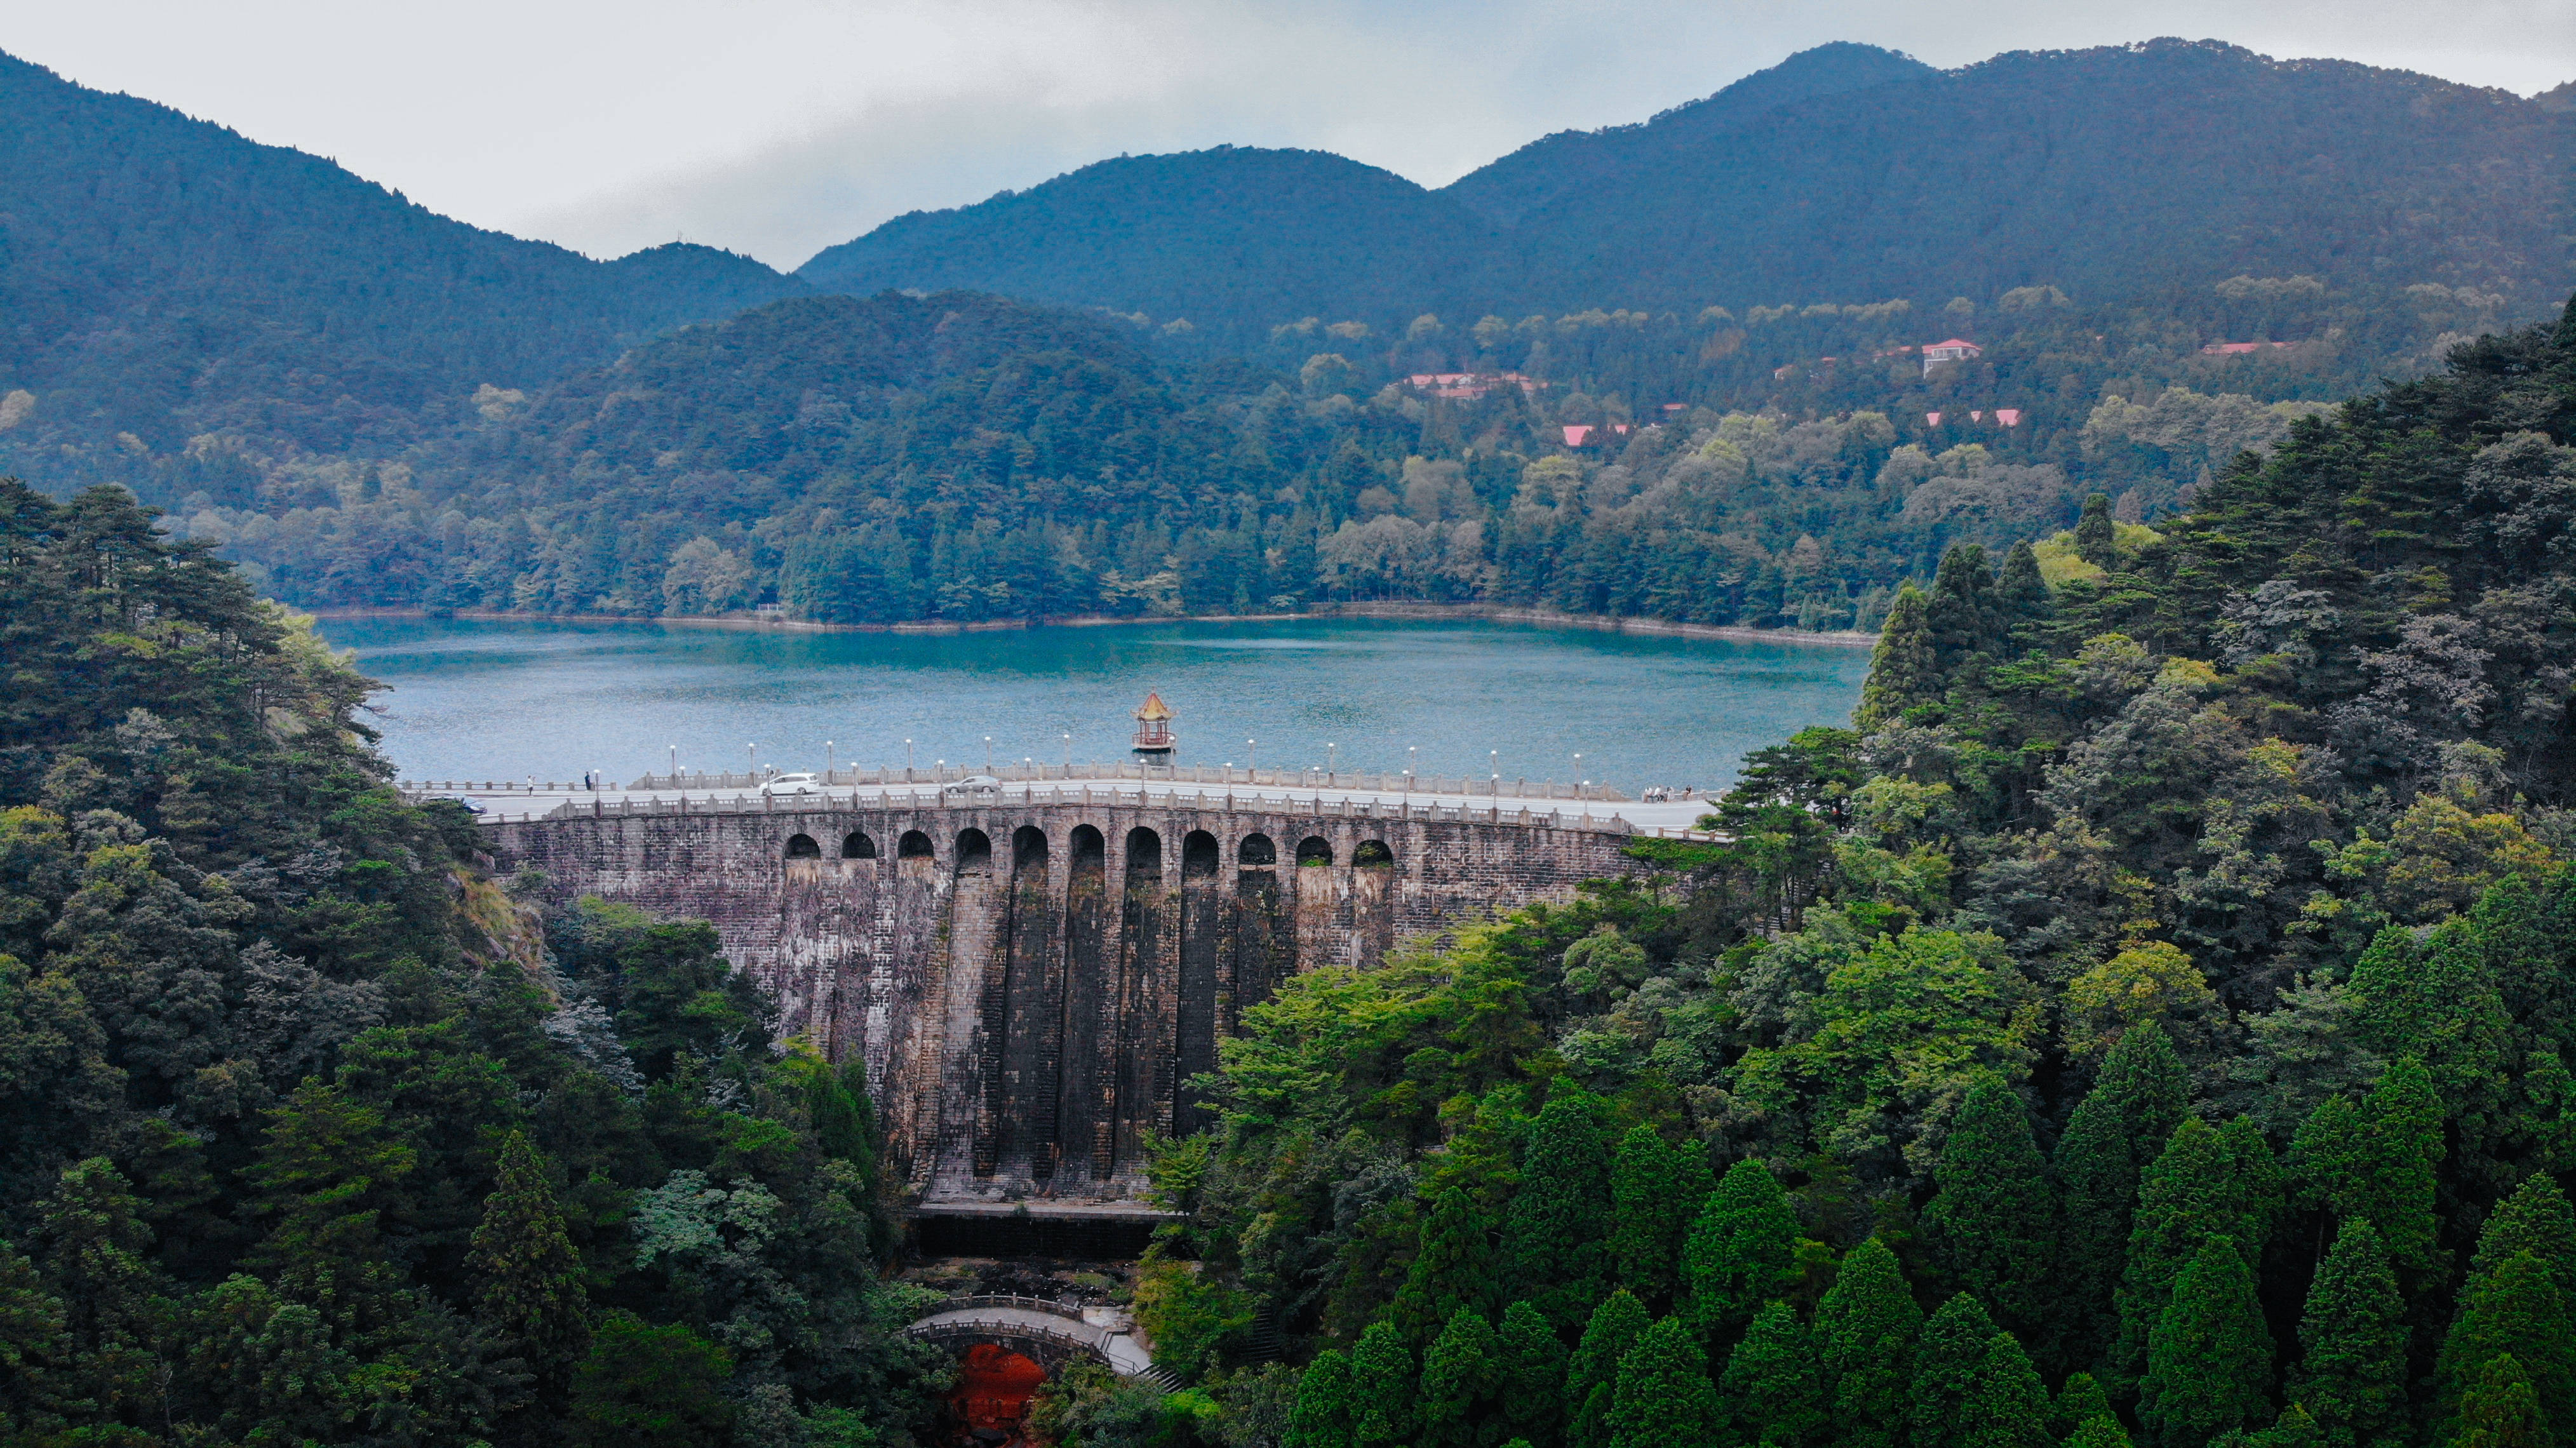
(160, 275)
(1845, 173)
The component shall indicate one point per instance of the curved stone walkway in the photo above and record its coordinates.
(1033, 1317)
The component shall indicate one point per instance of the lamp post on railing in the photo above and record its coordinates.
(1578, 770)
(1329, 757)
(827, 761)
(754, 751)
(1068, 756)
(988, 754)
(675, 766)
(1251, 762)
(907, 761)
(1409, 751)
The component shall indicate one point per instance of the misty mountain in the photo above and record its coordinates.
(161, 276)
(1845, 173)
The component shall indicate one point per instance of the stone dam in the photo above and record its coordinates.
(1033, 974)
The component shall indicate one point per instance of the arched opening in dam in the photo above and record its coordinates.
(802, 847)
(857, 846)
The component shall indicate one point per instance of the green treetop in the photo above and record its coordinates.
(1663, 1395)
(1459, 1378)
(1655, 1191)
(1531, 1398)
(1947, 1359)
(2097, 541)
(1904, 670)
(1774, 1388)
(1451, 1273)
(2535, 1219)
(2209, 1358)
(2351, 1373)
(2501, 1410)
(1383, 1399)
(2008, 1407)
(1742, 1250)
(2518, 1310)
(1592, 1374)
(1866, 1325)
(1323, 1414)
(2206, 1183)
(527, 1277)
(651, 1387)
(1553, 1239)
(1995, 1220)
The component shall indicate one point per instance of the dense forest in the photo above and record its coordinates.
(963, 457)
(312, 1133)
(2149, 1023)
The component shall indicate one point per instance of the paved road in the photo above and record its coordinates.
(1126, 1356)
(1675, 815)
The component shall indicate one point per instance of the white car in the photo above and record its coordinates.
(982, 786)
(793, 784)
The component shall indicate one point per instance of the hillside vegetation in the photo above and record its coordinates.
(2149, 1022)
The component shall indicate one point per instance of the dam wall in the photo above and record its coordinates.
(1032, 984)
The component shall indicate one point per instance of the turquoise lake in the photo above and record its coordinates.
(483, 699)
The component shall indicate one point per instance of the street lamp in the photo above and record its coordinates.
(827, 761)
(1251, 763)
(907, 761)
(675, 766)
(1578, 770)
(1068, 756)
(1329, 757)
(988, 754)
(754, 751)
(1409, 752)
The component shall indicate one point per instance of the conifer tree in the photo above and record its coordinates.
(2501, 1410)
(1743, 1249)
(1322, 1415)
(2143, 1078)
(2020, 588)
(1995, 1219)
(1663, 1395)
(2209, 1357)
(2535, 1219)
(1382, 1388)
(1554, 1246)
(1947, 1359)
(2102, 1432)
(1592, 1374)
(2405, 1145)
(2008, 1408)
(2097, 1183)
(1962, 611)
(2096, 541)
(2329, 1163)
(2519, 1311)
(1459, 1379)
(2206, 1183)
(527, 1277)
(1904, 670)
(1531, 1395)
(2352, 1371)
(1865, 1327)
(1655, 1191)
(2079, 1401)
(1774, 1388)
(1452, 1270)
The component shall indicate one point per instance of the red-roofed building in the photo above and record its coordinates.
(2008, 416)
(1957, 349)
(1574, 436)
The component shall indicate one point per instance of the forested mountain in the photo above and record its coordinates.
(1844, 173)
(2150, 1022)
(310, 1133)
(164, 277)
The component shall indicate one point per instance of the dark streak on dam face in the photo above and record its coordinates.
(1032, 987)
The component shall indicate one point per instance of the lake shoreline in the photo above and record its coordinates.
(1418, 612)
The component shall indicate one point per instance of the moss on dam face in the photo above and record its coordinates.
(1032, 986)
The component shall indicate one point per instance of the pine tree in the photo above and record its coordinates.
(1382, 1388)
(1532, 1392)
(2206, 1183)
(527, 1278)
(1962, 612)
(2518, 1311)
(2008, 1408)
(2352, 1372)
(1947, 1359)
(1774, 1388)
(2329, 1163)
(1655, 1191)
(1904, 670)
(1452, 1271)
(1866, 1326)
(2501, 1410)
(1994, 1221)
(2020, 588)
(2535, 1219)
(2096, 541)
(1592, 1374)
(2209, 1358)
(2143, 1078)
(2405, 1145)
(2080, 1400)
(2097, 1183)
(1459, 1378)
(1554, 1246)
(1663, 1396)
(1323, 1414)
(1742, 1251)
(2102, 1432)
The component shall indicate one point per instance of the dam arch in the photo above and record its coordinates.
(1028, 1024)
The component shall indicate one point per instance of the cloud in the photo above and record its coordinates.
(778, 127)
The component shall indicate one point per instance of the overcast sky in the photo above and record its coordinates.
(778, 127)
